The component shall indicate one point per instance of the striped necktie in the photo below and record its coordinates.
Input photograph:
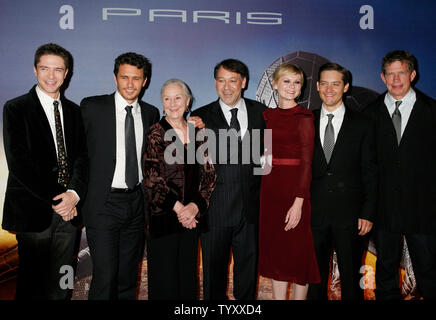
(63, 172)
(329, 138)
(396, 120)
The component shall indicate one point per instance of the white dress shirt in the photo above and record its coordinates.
(405, 107)
(119, 179)
(242, 114)
(47, 104)
(338, 118)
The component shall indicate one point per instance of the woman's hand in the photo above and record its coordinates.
(186, 215)
(293, 215)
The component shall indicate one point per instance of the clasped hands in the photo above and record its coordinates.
(67, 207)
(186, 214)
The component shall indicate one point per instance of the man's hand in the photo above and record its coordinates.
(364, 226)
(65, 207)
(71, 215)
(198, 122)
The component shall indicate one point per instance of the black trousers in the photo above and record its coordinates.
(116, 247)
(422, 250)
(41, 256)
(172, 266)
(217, 244)
(349, 250)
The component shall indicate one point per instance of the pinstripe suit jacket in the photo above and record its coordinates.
(237, 189)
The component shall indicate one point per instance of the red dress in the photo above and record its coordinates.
(287, 255)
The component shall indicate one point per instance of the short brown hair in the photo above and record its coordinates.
(136, 60)
(232, 65)
(54, 49)
(399, 55)
(332, 66)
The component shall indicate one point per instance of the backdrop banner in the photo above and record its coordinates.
(185, 39)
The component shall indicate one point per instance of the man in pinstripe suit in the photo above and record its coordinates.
(233, 213)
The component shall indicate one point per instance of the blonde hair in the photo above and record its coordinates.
(285, 68)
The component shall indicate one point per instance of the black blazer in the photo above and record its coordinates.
(345, 189)
(234, 181)
(407, 188)
(98, 114)
(32, 161)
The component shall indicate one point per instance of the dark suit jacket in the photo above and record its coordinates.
(407, 173)
(98, 114)
(345, 189)
(32, 161)
(234, 182)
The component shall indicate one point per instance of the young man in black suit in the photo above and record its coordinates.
(344, 181)
(406, 149)
(115, 128)
(46, 154)
(233, 212)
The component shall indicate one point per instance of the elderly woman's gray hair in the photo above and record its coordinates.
(181, 83)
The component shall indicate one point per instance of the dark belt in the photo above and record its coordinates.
(126, 190)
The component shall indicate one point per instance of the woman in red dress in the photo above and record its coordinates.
(286, 251)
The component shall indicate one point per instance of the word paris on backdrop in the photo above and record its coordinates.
(66, 22)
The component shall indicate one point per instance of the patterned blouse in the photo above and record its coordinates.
(166, 182)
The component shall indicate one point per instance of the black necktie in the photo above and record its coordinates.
(396, 120)
(234, 123)
(329, 138)
(63, 175)
(131, 157)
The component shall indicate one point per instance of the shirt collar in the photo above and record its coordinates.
(226, 108)
(121, 104)
(390, 101)
(338, 113)
(44, 98)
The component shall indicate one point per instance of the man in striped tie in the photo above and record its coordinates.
(46, 154)
(344, 181)
(406, 149)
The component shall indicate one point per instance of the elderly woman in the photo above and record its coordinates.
(178, 193)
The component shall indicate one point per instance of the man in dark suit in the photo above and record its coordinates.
(406, 149)
(344, 180)
(115, 127)
(46, 154)
(234, 206)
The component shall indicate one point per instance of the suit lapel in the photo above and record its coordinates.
(317, 114)
(318, 144)
(68, 128)
(345, 127)
(108, 115)
(41, 117)
(414, 120)
(387, 126)
(218, 117)
(250, 118)
(145, 124)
